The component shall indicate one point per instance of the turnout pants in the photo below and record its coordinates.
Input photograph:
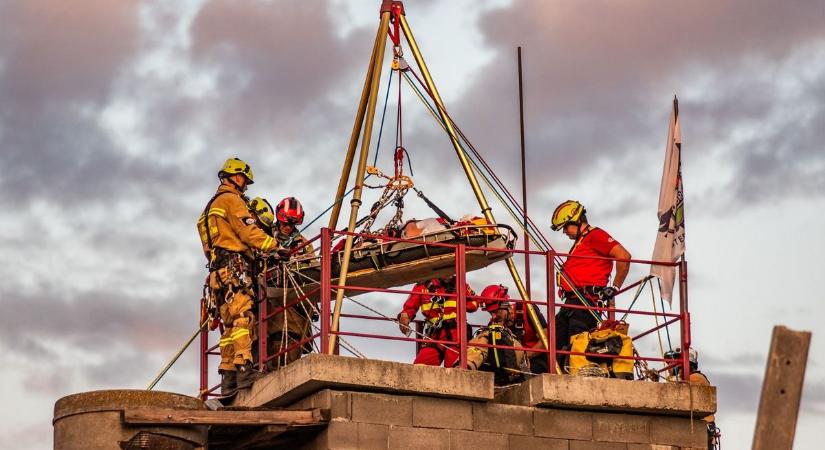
(436, 354)
(570, 322)
(236, 302)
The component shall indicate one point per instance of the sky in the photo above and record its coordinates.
(115, 117)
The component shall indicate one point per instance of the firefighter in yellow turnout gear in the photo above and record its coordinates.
(507, 365)
(229, 234)
(292, 325)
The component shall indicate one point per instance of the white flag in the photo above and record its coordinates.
(670, 240)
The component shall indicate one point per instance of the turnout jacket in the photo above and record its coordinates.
(429, 298)
(231, 225)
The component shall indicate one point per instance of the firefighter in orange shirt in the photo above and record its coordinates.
(229, 233)
(440, 311)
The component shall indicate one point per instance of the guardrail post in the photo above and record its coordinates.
(326, 275)
(461, 303)
(551, 311)
(263, 320)
(685, 318)
(204, 361)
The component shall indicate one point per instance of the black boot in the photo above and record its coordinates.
(247, 375)
(229, 382)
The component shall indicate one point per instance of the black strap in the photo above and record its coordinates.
(206, 221)
(433, 206)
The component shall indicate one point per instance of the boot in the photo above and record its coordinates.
(247, 375)
(229, 382)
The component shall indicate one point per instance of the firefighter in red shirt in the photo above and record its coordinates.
(590, 277)
(440, 312)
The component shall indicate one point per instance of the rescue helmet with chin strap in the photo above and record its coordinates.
(497, 292)
(693, 356)
(570, 211)
(234, 166)
(263, 210)
(290, 211)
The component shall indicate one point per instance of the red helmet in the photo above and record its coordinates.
(496, 291)
(290, 211)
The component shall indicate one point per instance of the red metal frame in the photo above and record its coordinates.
(461, 343)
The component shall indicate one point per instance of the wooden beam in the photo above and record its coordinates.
(150, 416)
(781, 389)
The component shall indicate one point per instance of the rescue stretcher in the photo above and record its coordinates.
(387, 264)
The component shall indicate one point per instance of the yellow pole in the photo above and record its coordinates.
(353, 140)
(359, 174)
(471, 177)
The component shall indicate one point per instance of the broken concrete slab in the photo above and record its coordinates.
(604, 394)
(316, 371)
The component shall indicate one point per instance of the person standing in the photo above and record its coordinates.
(293, 324)
(229, 233)
(583, 276)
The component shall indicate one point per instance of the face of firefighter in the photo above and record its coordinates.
(501, 315)
(572, 231)
(286, 228)
(240, 181)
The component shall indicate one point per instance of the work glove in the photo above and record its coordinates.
(608, 292)
(404, 323)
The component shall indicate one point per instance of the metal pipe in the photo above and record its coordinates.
(461, 304)
(468, 171)
(326, 274)
(552, 366)
(263, 329)
(359, 175)
(523, 175)
(683, 307)
(204, 382)
(353, 140)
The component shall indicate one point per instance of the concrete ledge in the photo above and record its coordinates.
(315, 372)
(603, 394)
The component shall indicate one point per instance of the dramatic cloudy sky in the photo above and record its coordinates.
(115, 116)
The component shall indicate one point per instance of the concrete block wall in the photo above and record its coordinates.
(362, 420)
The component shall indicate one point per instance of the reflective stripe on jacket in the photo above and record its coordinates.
(231, 225)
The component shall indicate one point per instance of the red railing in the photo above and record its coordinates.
(550, 306)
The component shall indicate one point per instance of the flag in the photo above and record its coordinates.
(670, 240)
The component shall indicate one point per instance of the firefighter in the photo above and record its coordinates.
(698, 378)
(590, 278)
(507, 365)
(264, 213)
(229, 234)
(440, 312)
(292, 326)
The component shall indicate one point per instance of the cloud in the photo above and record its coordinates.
(59, 63)
(739, 393)
(599, 77)
(276, 65)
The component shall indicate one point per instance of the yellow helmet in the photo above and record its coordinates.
(234, 166)
(569, 211)
(263, 210)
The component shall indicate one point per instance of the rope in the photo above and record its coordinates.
(381, 128)
(667, 327)
(177, 355)
(636, 296)
(656, 319)
(374, 162)
(344, 343)
(532, 230)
